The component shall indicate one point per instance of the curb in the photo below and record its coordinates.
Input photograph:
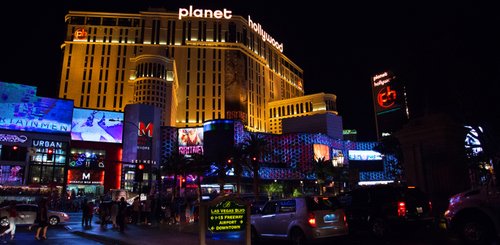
(100, 238)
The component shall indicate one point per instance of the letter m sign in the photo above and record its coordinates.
(145, 129)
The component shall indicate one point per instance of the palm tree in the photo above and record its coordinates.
(322, 169)
(254, 147)
(176, 165)
(483, 151)
(197, 164)
(238, 161)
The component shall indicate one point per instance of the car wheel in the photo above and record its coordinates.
(475, 231)
(297, 237)
(4, 222)
(379, 228)
(53, 220)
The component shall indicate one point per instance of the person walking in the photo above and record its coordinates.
(84, 211)
(122, 214)
(147, 211)
(42, 219)
(12, 212)
(114, 213)
(136, 207)
(89, 213)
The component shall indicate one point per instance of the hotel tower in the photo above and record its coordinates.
(194, 64)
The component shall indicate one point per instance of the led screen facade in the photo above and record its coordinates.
(97, 126)
(22, 110)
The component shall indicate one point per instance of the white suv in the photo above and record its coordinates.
(475, 215)
(300, 219)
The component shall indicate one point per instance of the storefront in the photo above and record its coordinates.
(28, 158)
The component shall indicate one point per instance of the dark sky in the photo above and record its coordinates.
(448, 55)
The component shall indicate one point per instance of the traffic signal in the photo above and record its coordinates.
(50, 154)
(139, 172)
(183, 182)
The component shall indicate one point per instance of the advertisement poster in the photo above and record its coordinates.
(190, 140)
(97, 126)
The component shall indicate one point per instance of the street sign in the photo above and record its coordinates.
(227, 215)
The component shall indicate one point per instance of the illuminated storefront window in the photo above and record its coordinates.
(47, 162)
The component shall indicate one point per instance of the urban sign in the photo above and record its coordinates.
(227, 215)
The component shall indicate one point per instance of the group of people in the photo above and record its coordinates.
(41, 220)
(114, 212)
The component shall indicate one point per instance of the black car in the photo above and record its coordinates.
(381, 209)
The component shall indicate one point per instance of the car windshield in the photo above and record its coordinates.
(322, 203)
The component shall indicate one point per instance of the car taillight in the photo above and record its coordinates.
(430, 206)
(401, 209)
(311, 219)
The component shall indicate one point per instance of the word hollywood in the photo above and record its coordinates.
(204, 13)
(266, 37)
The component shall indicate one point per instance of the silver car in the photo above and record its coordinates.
(27, 215)
(300, 219)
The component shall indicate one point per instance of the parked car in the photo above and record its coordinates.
(475, 215)
(27, 215)
(381, 209)
(300, 219)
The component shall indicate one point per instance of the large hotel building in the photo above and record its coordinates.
(194, 64)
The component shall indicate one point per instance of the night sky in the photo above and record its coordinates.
(447, 55)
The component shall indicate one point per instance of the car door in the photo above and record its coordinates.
(284, 216)
(26, 214)
(266, 220)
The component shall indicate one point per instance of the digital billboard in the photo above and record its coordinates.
(41, 114)
(97, 125)
(22, 110)
(11, 174)
(365, 160)
(190, 140)
(321, 152)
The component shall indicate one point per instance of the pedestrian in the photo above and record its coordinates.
(136, 208)
(114, 213)
(147, 210)
(12, 212)
(122, 214)
(42, 219)
(90, 213)
(84, 211)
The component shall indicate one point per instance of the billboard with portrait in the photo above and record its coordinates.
(190, 140)
(321, 152)
(97, 125)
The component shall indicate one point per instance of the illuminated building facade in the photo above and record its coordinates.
(307, 105)
(196, 65)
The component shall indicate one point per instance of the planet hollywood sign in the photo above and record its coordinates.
(227, 14)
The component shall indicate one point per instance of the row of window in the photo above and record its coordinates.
(282, 111)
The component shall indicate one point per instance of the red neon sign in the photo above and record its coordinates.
(386, 97)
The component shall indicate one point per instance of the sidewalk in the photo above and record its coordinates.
(185, 234)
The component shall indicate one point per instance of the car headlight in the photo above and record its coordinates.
(65, 215)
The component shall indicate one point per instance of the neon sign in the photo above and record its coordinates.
(80, 34)
(204, 13)
(386, 97)
(266, 37)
